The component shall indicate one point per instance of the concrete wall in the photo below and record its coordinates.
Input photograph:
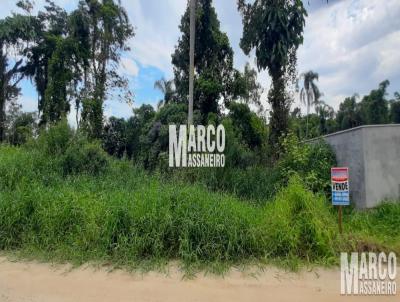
(372, 154)
(382, 163)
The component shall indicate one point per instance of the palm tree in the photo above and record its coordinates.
(167, 88)
(309, 93)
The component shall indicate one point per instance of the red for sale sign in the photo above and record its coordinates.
(340, 186)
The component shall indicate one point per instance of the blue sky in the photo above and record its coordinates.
(352, 44)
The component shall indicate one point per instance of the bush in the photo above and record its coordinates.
(68, 152)
(312, 161)
(300, 225)
(125, 217)
(56, 138)
(84, 157)
(255, 183)
(19, 167)
(249, 128)
(250, 179)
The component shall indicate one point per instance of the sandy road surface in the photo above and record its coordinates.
(33, 282)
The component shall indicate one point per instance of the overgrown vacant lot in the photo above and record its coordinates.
(123, 216)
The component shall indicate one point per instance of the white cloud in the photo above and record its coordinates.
(389, 58)
(156, 27)
(8, 6)
(353, 46)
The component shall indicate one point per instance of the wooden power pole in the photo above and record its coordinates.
(191, 58)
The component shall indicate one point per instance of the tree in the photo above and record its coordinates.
(57, 60)
(114, 136)
(395, 109)
(249, 128)
(15, 31)
(309, 93)
(213, 59)
(245, 87)
(9, 90)
(22, 127)
(49, 62)
(348, 115)
(108, 30)
(374, 107)
(326, 118)
(74, 59)
(274, 28)
(167, 88)
(137, 129)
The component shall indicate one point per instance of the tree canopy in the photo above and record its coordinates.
(274, 28)
(215, 77)
(72, 58)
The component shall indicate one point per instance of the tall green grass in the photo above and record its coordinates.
(126, 217)
(375, 229)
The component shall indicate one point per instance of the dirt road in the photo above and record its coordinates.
(33, 282)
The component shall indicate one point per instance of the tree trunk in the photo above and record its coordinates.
(2, 116)
(3, 85)
(279, 113)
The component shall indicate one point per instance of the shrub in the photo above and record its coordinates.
(19, 167)
(56, 138)
(312, 162)
(69, 152)
(255, 183)
(300, 224)
(250, 129)
(125, 216)
(82, 156)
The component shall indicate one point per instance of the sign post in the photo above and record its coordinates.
(340, 190)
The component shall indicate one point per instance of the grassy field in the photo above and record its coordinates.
(125, 217)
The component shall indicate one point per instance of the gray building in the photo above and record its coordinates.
(372, 154)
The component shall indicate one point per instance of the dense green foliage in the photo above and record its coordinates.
(373, 235)
(124, 216)
(71, 57)
(63, 197)
(275, 30)
(215, 78)
(213, 59)
(72, 152)
(311, 161)
(20, 126)
(395, 109)
(373, 109)
(83, 157)
(14, 32)
(257, 183)
(144, 136)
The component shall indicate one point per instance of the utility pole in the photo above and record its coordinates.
(191, 58)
